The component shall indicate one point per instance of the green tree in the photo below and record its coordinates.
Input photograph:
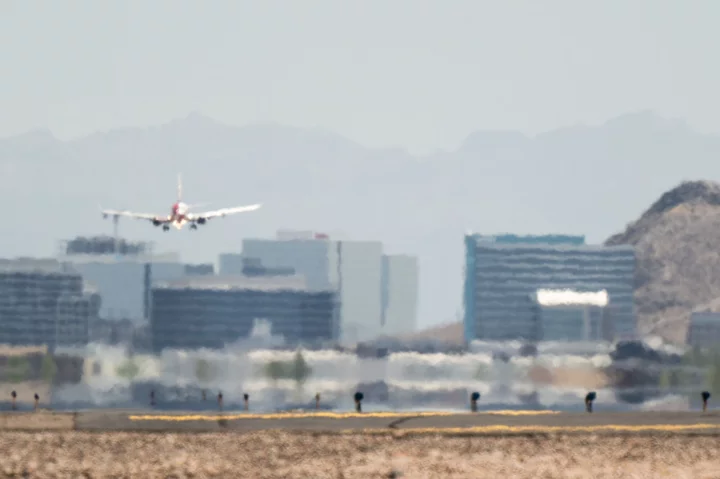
(297, 369)
(128, 370)
(482, 372)
(48, 368)
(18, 369)
(700, 357)
(676, 379)
(301, 370)
(694, 358)
(413, 370)
(203, 370)
(713, 378)
(275, 370)
(664, 381)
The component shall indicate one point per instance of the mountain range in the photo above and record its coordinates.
(588, 180)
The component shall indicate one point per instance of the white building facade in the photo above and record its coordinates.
(377, 294)
(401, 294)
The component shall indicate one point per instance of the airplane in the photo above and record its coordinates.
(180, 214)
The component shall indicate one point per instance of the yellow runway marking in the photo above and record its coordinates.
(517, 413)
(329, 415)
(526, 429)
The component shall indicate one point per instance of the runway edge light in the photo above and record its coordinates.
(358, 400)
(591, 396)
(474, 397)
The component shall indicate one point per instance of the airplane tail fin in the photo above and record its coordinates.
(179, 187)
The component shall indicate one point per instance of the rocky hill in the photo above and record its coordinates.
(678, 246)
(678, 250)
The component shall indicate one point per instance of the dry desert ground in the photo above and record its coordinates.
(274, 454)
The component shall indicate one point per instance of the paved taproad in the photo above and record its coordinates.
(496, 422)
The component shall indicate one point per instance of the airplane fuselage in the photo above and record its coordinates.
(178, 214)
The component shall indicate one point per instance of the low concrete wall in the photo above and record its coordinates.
(37, 421)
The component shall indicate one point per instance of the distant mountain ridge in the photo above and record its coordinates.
(577, 180)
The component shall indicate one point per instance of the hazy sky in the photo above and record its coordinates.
(414, 73)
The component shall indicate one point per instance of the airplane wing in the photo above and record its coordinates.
(201, 217)
(139, 216)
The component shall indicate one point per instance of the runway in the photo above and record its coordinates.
(496, 422)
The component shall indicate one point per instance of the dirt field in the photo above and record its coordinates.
(279, 454)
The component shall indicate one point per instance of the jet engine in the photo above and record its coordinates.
(201, 221)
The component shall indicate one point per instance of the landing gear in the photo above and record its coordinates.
(166, 228)
(193, 226)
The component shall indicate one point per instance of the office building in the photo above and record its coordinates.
(503, 272)
(400, 294)
(353, 268)
(44, 303)
(313, 259)
(704, 329)
(113, 332)
(122, 272)
(230, 264)
(255, 267)
(378, 293)
(359, 282)
(211, 312)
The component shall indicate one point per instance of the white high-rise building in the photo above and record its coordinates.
(358, 277)
(367, 282)
(401, 297)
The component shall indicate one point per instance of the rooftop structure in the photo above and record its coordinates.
(106, 249)
(202, 269)
(255, 267)
(27, 265)
(513, 239)
(104, 245)
(238, 282)
(286, 235)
